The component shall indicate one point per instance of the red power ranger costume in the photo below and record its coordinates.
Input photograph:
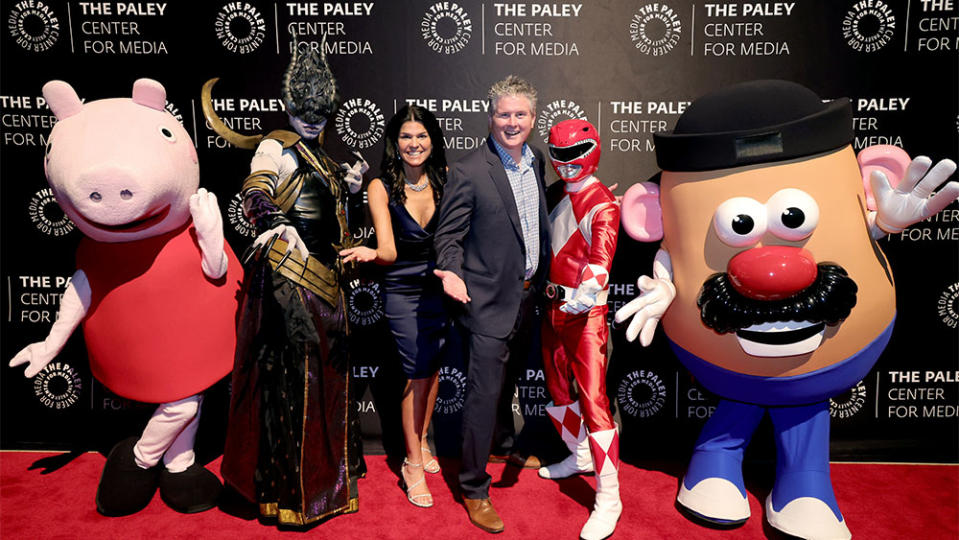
(584, 223)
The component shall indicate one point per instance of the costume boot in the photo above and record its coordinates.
(608, 507)
(569, 423)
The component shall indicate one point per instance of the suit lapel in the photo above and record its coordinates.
(498, 176)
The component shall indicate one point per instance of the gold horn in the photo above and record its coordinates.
(248, 142)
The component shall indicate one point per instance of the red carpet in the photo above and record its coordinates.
(41, 497)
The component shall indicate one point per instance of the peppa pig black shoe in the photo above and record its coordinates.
(125, 488)
(194, 490)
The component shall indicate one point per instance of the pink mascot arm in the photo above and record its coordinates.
(74, 305)
(900, 192)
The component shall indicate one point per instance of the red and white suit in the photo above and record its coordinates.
(584, 228)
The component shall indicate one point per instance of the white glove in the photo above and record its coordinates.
(283, 232)
(354, 174)
(646, 309)
(73, 307)
(910, 201)
(208, 223)
(593, 280)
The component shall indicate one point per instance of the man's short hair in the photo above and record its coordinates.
(511, 86)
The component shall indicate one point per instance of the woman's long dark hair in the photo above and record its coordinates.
(392, 165)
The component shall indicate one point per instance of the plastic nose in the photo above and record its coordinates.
(772, 272)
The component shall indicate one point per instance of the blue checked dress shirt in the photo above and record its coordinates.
(522, 180)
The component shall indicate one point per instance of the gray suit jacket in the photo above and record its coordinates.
(480, 239)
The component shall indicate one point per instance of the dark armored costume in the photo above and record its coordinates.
(292, 445)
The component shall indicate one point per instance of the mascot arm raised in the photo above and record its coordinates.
(900, 192)
(642, 219)
(73, 308)
(208, 223)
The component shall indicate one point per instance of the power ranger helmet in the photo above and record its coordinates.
(574, 149)
(309, 89)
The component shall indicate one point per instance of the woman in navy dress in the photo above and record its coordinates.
(403, 206)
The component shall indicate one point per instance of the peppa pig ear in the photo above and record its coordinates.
(890, 160)
(149, 93)
(642, 216)
(62, 99)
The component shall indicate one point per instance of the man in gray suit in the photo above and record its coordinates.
(492, 248)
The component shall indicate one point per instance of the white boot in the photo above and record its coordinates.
(569, 422)
(608, 507)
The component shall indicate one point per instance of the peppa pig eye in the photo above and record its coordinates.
(740, 221)
(167, 134)
(793, 214)
(96, 197)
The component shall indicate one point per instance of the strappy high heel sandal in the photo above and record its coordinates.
(415, 499)
(431, 466)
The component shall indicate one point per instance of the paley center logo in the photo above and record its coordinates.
(557, 111)
(452, 391)
(641, 394)
(360, 123)
(33, 25)
(240, 27)
(948, 306)
(848, 403)
(238, 218)
(365, 302)
(47, 216)
(58, 386)
(446, 27)
(655, 29)
(868, 26)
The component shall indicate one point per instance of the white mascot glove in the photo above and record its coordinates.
(656, 294)
(593, 280)
(354, 174)
(910, 201)
(208, 223)
(655, 297)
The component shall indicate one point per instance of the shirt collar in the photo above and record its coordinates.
(507, 159)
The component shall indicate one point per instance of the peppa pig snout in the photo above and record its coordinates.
(114, 198)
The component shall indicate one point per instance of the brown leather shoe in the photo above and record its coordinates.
(525, 462)
(483, 515)
(498, 458)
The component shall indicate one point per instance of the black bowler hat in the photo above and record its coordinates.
(753, 122)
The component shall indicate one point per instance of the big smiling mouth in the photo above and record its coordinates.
(768, 335)
(136, 225)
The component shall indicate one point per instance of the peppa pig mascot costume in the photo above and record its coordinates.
(778, 295)
(155, 287)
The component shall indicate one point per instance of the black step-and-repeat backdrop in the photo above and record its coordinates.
(630, 67)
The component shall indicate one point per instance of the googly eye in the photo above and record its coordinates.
(167, 134)
(792, 214)
(740, 221)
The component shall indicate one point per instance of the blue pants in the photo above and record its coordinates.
(802, 449)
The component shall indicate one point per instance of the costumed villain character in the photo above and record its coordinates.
(585, 223)
(293, 443)
(778, 295)
(155, 287)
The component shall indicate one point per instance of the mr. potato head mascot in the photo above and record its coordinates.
(778, 295)
(584, 224)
